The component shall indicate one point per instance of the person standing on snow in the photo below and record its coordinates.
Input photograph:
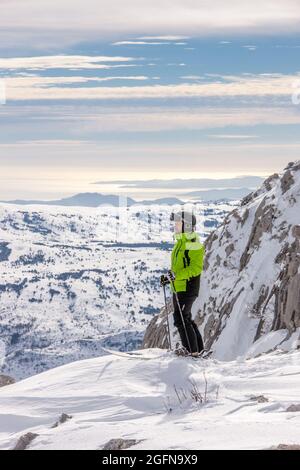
(186, 267)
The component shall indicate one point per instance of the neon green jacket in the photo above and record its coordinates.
(187, 262)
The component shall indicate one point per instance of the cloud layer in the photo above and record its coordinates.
(73, 19)
(48, 88)
(62, 62)
(86, 92)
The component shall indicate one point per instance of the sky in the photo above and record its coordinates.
(129, 89)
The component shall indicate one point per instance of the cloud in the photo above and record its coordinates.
(64, 62)
(159, 120)
(233, 136)
(163, 38)
(45, 143)
(143, 43)
(66, 21)
(41, 88)
(250, 48)
(84, 120)
(105, 79)
(2, 92)
(186, 159)
(192, 77)
(279, 46)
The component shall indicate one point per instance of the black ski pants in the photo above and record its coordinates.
(189, 334)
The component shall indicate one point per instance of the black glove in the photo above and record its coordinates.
(171, 276)
(164, 280)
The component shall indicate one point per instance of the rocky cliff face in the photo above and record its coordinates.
(250, 286)
(6, 380)
(156, 335)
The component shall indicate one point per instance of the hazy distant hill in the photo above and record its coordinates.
(81, 200)
(201, 183)
(98, 199)
(220, 194)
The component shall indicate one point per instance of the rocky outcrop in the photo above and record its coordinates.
(286, 447)
(287, 305)
(6, 380)
(250, 285)
(258, 282)
(262, 223)
(259, 399)
(120, 444)
(156, 334)
(293, 409)
(62, 419)
(24, 441)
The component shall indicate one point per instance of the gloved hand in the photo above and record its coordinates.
(171, 276)
(164, 280)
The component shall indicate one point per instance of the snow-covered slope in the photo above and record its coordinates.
(73, 279)
(251, 282)
(157, 402)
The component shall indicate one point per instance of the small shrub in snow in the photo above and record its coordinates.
(193, 392)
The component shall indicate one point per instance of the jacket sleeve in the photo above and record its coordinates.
(196, 265)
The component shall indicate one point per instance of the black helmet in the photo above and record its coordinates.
(187, 219)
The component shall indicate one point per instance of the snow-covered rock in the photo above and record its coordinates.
(251, 283)
(164, 402)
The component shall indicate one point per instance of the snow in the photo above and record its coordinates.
(292, 342)
(78, 279)
(74, 279)
(267, 343)
(117, 397)
(2, 352)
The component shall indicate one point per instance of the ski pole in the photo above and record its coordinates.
(180, 311)
(168, 324)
